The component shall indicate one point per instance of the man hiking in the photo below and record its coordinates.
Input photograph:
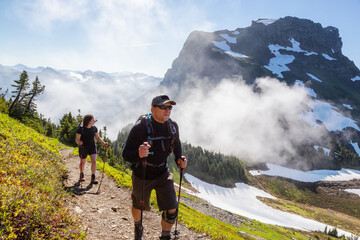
(85, 139)
(150, 142)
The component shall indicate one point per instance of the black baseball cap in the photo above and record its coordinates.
(161, 100)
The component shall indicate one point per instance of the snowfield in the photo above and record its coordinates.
(242, 199)
(309, 176)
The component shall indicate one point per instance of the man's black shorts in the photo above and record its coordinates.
(84, 151)
(165, 192)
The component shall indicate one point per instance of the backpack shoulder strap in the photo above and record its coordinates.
(145, 119)
(172, 131)
(148, 126)
(171, 126)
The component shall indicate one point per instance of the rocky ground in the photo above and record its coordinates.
(338, 188)
(105, 212)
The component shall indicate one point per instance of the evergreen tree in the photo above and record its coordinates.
(19, 94)
(36, 90)
(213, 167)
(67, 129)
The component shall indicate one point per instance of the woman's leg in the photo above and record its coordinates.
(81, 167)
(93, 163)
(93, 168)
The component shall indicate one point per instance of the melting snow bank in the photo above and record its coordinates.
(309, 176)
(242, 200)
(356, 191)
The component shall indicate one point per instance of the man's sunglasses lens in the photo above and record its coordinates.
(163, 107)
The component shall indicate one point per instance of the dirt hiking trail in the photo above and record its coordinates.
(107, 215)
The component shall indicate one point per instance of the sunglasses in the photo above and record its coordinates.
(163, 107)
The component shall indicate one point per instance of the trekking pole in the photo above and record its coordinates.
(102, 177)
(176, 232)
(144, 162)
(81, 148)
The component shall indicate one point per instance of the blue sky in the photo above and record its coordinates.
(144, 35)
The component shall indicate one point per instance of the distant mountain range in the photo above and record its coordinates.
(103, 94)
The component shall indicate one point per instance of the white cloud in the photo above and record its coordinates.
(234, 119)
(114, 35)
(106, 96)
(45, 13)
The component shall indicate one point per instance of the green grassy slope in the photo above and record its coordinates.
(31, 192)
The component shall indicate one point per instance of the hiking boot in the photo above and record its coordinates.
(81, 177)
(93, 180)
(138, 231)
(165, 238)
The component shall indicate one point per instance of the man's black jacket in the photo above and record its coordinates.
(160, 148)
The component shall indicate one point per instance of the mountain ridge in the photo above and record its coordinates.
(254, 42)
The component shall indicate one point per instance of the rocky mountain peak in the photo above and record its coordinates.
(293, 50)
(249, 52)
(312, 35)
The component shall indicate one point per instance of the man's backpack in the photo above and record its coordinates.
(146, 120)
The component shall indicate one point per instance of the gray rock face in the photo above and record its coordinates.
(314, 49)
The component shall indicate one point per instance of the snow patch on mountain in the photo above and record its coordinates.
(313, 77)
(357, 78)
(356, 147)
(226, 48)
(327, 114)
(228, 38)
(355, 191)
(326, 150)
(277, 64)
(310, 91)
(267, 21)
(348, 106)
(328, 57)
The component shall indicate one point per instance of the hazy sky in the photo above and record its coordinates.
(144, 35)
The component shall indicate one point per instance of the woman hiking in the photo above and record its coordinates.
(85, 139)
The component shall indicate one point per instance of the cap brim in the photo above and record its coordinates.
(167, 101)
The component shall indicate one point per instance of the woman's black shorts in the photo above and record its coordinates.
(84, 151)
